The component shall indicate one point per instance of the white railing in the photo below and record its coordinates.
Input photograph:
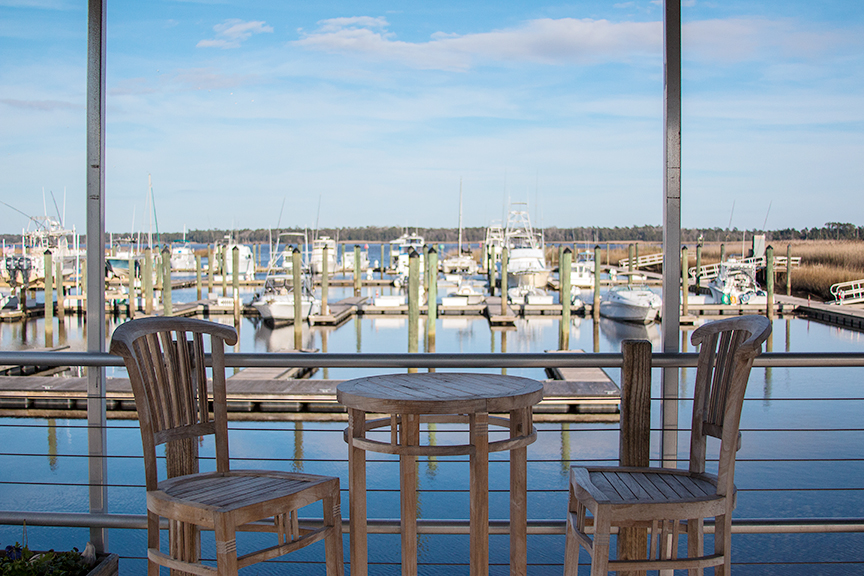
(642, 261)
(851, 292)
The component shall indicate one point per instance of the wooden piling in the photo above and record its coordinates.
(130, 309)
(413, 302)
(357, 271)
(235, 282)
(167, 309)
(505, 260)
(61, 295)
(722, 252)
(490, 270)
(325, 280)
(223, 256)
(769, 280)
(565, 266)
(147, 281)
(698, 267)
(685, 281)
(635, 439)
(630, 250)
(199, 288)
(432, 294)
(788, 270)
(297, 286)
(596, 302)
(49, 300)
(211, 264)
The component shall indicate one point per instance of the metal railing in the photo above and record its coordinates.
(537, 527)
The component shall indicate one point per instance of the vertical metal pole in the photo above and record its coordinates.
(96, 438)
(671, 221)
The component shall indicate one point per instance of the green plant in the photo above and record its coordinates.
(19, 560)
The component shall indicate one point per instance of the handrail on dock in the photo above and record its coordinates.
(851, 292)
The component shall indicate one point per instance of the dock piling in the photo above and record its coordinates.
(167, 309)
(505, 259)
(297, 287)
(788, 270)
(130, 309)
(235, 282)
(685, 281)
(413, 302)
(769, 280)
(595, 309)
(147, 281)
(325, 281)
(49, 300)
(211, 264)
(564, 268)
(630, 250)
(357, 271)
(432, 294)
(61, 297)
(698, 267)
(223, 269)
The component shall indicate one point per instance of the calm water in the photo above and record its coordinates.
(789, 415)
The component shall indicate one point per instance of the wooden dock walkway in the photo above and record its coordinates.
(494, 312)
(254, 396)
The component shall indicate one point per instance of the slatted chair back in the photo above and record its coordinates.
(727, 350)
(165, 360)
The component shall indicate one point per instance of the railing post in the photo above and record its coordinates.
(635, 436)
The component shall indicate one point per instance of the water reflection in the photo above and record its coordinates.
(616, 332)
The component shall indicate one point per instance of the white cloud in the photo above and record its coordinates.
(548, 41)
(232, 32)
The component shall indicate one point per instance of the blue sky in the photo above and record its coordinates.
(377, 110)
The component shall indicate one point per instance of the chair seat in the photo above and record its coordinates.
(650, 489)
(260, 492)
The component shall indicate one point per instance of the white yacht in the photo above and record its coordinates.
(316, 262)
(736, 284)
(182, 257)
(400, 248)
(631, 303)
(526, 265)
(275, 303)
(582, 273)
(465, 294)
(246, 268)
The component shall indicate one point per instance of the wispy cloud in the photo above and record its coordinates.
(41, 105)
(233, 32)
(571, 41)
(549, 41)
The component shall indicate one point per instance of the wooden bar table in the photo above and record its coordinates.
(441, 397)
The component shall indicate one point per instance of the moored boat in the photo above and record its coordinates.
(631, 303)
(275, 303)
(736, 284)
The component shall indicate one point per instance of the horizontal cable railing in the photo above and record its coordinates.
(754, 526)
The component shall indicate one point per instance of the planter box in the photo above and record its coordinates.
(108, 565)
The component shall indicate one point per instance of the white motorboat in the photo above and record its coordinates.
(182, 257)
(348, 260)
(316, 262)
(246, 267)
(526, 264)
(736, 284)
(582, 272)
(465, 294)
(400, 250)
(275, 303)
(525, 294)
(631, 303)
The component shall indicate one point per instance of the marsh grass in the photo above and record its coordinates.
(823, 262)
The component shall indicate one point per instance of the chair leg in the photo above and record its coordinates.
(600, 557)
(571, 550)
(723, 543)
(695, 543)
(226, 547)
(333, 540)
(152, 542)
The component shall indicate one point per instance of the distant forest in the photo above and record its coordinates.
(830, 231)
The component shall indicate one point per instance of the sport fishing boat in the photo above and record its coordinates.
(275, 303)
(400, 249)
(182, 257)
(526, 264)
(736, 284)
(582, 273)
(316, 262)
(631, 303)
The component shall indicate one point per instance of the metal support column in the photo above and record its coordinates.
(96, 418)
(671, 221)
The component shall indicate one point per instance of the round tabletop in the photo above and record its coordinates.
(439, 393)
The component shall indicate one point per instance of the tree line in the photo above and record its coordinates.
(585, 235)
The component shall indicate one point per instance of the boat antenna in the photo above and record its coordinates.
(460, 217)
(19, 211)
(317, 218)
(57, 208)
(729, 226)
(44, 205)
(765, 223)
(155, 216)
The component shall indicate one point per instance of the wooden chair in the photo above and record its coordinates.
(165, 360)
(670, 500)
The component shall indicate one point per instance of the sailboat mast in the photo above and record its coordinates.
(460, 217)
